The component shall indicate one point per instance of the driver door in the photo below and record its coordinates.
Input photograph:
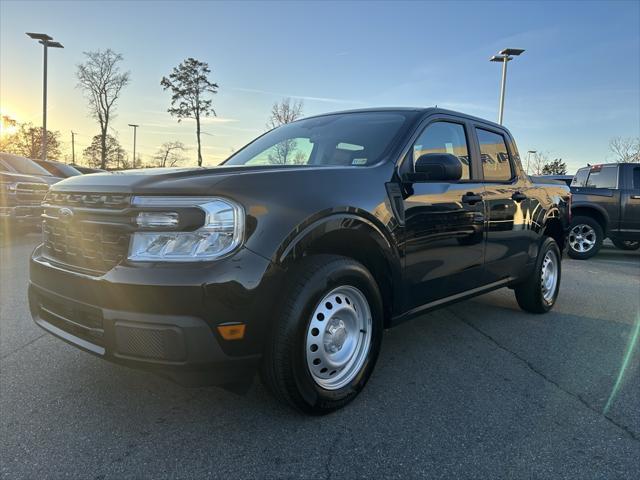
(444, 221)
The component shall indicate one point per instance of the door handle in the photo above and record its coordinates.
(518, 197)
(635, 197)
(471, 198)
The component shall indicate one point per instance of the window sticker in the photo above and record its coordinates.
(449, 147)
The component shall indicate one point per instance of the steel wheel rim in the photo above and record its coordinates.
(582, 238)
(338, 337)
(549, 276)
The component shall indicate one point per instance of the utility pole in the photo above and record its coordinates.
(504, 56)
(135, 129)
(73, 147)
(47, 42)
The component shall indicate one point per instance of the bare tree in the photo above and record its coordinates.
(626, 150)
(538, 162)
(190, 87)
(169, 154)
(284, 112)
(102, 81)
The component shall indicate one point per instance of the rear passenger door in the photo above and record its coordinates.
(630, 202)
(509, 237)
(601, 188)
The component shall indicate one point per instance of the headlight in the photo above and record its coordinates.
(221, 233)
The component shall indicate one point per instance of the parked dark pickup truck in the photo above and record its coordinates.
(20, 201)
(294, 255)
(606, 204)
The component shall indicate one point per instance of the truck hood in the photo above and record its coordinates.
(10, 177)
(170, 181)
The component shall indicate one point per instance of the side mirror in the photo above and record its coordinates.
(436, 167)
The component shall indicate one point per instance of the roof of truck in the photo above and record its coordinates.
(422, 110)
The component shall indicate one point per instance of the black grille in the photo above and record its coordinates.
(151, 342)
(31, 193)
(87, 231)
(80, 320)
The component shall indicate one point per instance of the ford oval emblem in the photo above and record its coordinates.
(65, 214)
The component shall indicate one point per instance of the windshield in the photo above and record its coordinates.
(5, 167)
(23, 165)
(350, 139)
(59, 169)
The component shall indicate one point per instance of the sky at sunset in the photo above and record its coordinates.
(576, 86)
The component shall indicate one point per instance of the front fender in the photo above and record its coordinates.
(351, 233)
(592, 206)
(323, 223)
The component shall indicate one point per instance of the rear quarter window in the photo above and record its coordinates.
(495, 156)
(605, 176)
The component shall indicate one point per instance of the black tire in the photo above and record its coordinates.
(530, 294)
(285, 370)
(626, 244)
(579, 224)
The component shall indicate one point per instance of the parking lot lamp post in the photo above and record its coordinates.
(505, 56)
(135, 129)
(73, 147)
(46, 41)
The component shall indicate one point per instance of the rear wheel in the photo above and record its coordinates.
(326, 338)
(626, 244)
(538, 293)
(585, 238)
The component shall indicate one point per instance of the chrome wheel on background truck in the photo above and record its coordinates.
(585, 238)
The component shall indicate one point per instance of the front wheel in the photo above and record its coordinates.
(627, 244)
(325, 340)
(538, 293)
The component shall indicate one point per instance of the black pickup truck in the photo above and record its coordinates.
(606, 204)
(293, 256)
(20, 200)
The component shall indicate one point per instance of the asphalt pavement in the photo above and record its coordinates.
(477, 390)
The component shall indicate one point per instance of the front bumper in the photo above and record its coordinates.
(161, 318)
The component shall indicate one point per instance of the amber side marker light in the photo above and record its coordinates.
(234, 331)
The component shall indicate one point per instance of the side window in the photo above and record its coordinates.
(636, 178)
(580, 180)
(603, 176)
(495, 156)
(444, 137)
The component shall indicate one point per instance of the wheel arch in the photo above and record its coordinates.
(354, 235)
(593, 211)
(555, 229)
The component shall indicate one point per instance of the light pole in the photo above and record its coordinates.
(73, 147)
(529, 153)
(47, 42)
(504, 56)
(135, 129)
